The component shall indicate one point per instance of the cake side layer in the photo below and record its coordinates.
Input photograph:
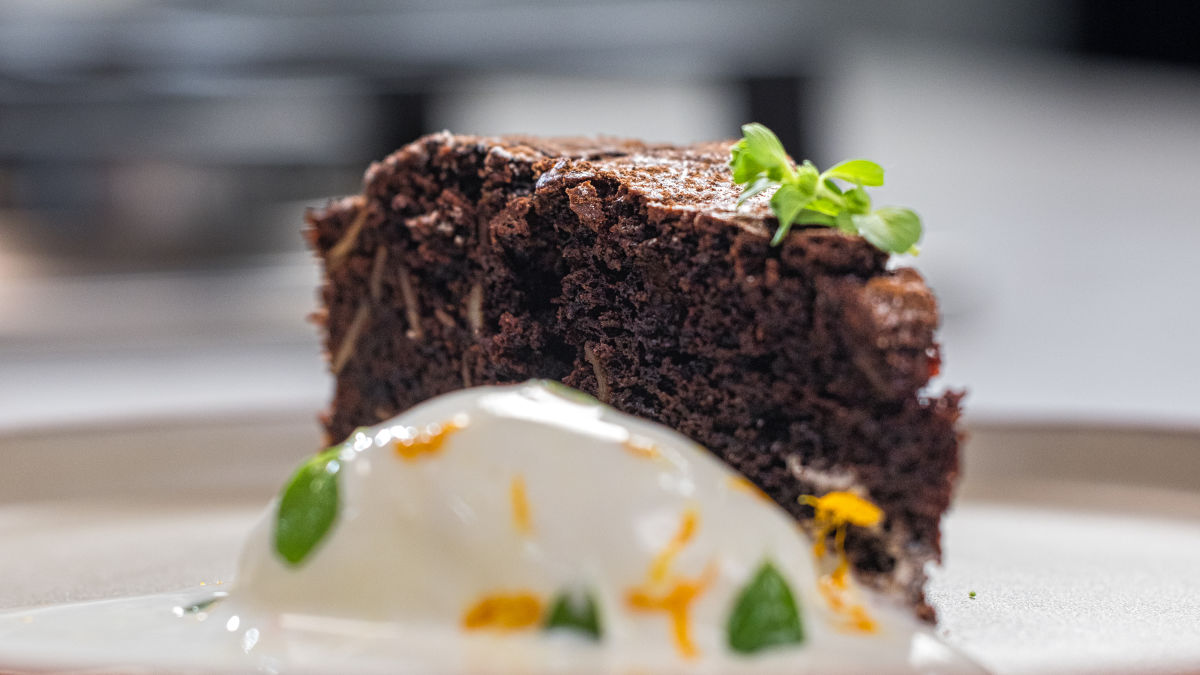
(471, 261)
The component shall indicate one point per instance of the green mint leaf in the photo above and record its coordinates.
(792, 198)
(765, 614)
(781, 233)
(809, 197)
(806, 177)
(810, 217)
(825, 206)
(845, 223)
(761, 183)
(874, 228)
(307, 507)
(806, 217)
(574, 612)
(890, 229)
(857, 201)
(744, 165)
(831, 186)
(747, 165)
(788, 201)
(570, 393)
(858, 171)
(764, 151)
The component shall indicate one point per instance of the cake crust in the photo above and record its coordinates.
(626, 270)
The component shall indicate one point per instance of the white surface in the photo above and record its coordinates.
(73, 551)
(1065, 590)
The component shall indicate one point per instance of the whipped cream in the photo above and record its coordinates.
(456, 533)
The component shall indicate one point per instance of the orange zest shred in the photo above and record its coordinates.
(521, 516)
(665, 592)
(834, 513)
(856, 616)
(640, 447)
(504, 612)
(676, 602)
(743, 484)
(426, 442)
(661, 567)
(837, 510)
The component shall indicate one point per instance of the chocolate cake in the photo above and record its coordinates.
(626, 270)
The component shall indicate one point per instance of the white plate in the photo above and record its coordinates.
(1082, 546)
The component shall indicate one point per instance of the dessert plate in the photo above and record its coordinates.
(1068, 550)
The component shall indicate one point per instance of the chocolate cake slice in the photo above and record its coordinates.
(625, 270)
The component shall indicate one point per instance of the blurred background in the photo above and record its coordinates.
(156, 158)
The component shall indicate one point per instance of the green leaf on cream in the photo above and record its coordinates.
(308, 507)
(575, 612)
(765, 614)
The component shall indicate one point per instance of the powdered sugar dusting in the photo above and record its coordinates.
(693, 178)
(687, 179)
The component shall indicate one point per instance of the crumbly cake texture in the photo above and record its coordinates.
(626, 270)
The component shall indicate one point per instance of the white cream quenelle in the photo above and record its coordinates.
(510, 528)
(523, 529)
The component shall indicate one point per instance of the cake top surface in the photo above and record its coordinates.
(750, 183)
(681, 177)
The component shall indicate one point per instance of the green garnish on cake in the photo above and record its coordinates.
(806, 196)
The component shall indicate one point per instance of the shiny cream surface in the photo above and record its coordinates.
(531, 493)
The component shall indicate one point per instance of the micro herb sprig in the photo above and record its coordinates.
(807, 196)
